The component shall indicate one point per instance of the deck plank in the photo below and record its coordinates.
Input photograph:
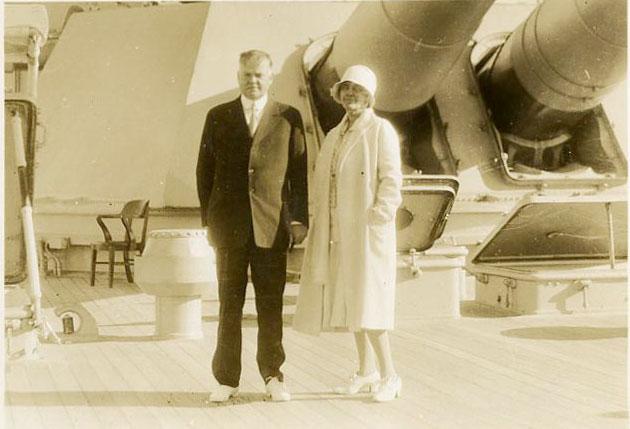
(485, 386)
(21, 397)
(298, 408)
(104, 402)
(131, 361)
(47, 398)
(338, 351)
(597, 382)
(194, 359)
(550, 371)
(124, 394)
(188, 397)
(72, 397)
(117, 336)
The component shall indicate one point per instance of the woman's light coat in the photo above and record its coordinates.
(368, 194)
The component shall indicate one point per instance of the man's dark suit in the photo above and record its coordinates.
(250, 190)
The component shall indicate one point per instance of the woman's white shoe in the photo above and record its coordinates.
(357, 383)
(388, 389)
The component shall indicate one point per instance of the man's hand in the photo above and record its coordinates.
(298, 233)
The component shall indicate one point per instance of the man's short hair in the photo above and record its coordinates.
(255, 55)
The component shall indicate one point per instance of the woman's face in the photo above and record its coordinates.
(354, 98)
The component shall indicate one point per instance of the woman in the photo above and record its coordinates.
(349, 268)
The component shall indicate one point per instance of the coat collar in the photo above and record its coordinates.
(259, 104)
(353, 134)
(234, 117)
(359, 124)
(268, 116)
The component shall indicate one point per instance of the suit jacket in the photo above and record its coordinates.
(257, 183)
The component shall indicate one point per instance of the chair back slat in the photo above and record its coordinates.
(136, 209)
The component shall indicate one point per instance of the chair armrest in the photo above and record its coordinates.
(101, 224)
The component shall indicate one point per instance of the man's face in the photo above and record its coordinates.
(254, 78)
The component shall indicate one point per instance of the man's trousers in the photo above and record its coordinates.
(268, 271)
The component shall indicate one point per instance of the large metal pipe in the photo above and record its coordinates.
(556, 66)
(410, 45)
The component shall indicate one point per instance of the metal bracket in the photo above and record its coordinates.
(482, 278)
(583, 285)
(510, 285)
(413, 264)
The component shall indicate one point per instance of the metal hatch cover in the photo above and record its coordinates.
(427, 201)
(545, 228)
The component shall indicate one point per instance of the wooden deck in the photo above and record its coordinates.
(481, 371)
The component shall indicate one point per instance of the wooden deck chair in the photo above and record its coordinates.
(130, 245)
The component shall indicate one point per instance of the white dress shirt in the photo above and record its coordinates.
(253, 111)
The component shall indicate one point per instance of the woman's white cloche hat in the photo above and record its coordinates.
(359, 74)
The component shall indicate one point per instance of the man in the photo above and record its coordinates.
(252, 186)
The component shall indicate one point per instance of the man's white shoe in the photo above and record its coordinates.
(277, 390)
(223, 393)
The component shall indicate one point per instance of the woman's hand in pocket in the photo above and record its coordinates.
(376, 216)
